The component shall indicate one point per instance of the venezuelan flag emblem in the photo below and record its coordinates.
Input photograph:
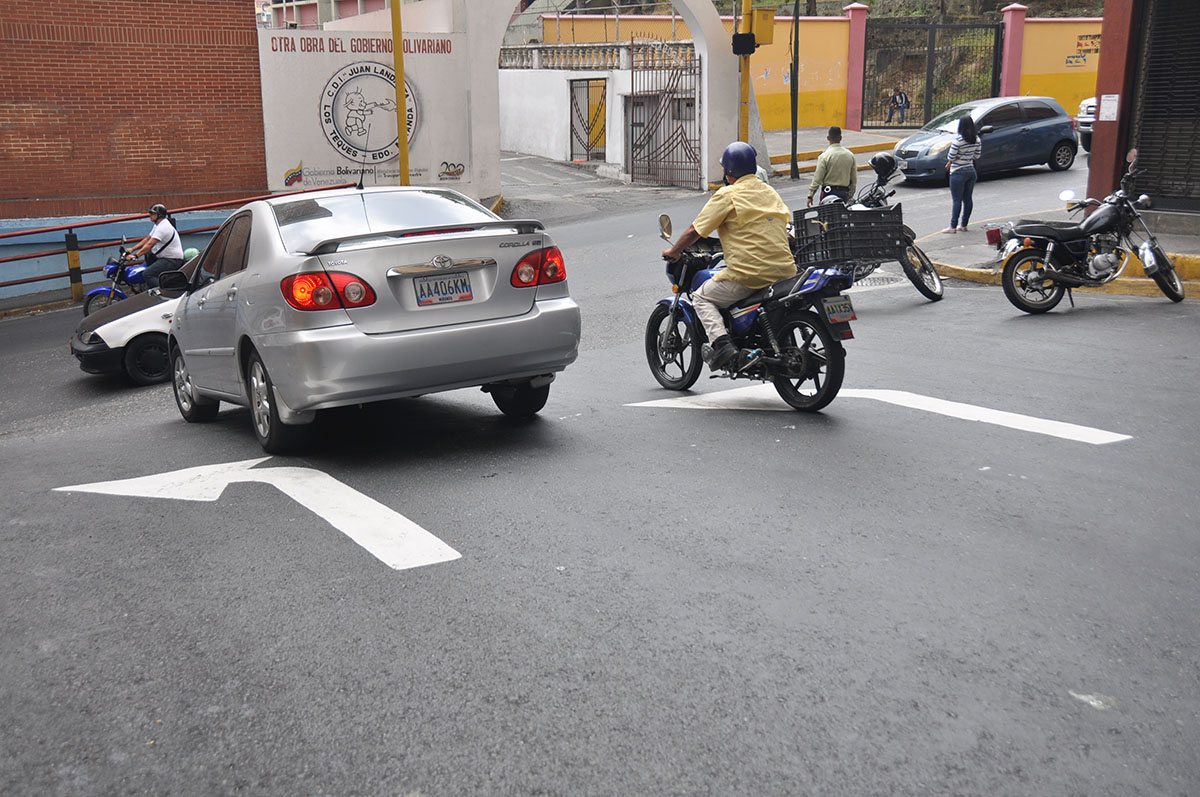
(293, 176)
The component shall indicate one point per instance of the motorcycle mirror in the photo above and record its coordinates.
(664, 226)
(1066, 196)
(1131, 157)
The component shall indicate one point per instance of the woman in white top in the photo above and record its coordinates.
(960, 161)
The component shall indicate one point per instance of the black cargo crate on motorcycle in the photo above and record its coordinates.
(833, 234)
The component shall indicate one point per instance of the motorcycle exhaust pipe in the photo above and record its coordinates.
(1067, 279)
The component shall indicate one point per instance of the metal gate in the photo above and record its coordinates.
(937, 66)
(1166, 104)
(663, 115)
(587, 120)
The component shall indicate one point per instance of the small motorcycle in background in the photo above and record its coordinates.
(916, 264)
(1043, 260)
(789, 333)
(126, 277)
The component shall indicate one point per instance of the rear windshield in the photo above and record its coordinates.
(948, 121)
(306, 222)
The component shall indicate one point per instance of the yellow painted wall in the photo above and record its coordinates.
(1060, 58)
(824, 46)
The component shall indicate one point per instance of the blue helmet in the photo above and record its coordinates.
(739, 159)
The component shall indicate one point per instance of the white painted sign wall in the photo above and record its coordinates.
(329, 108)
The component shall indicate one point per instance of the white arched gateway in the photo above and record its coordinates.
(451, 52)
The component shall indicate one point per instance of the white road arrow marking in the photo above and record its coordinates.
(389, 536)
(764, 397)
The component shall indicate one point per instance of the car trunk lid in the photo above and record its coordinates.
(432, 278)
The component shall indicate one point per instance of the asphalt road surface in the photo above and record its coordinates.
(972, 574)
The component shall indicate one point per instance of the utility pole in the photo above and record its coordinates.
(794, 79)
(401, 94)
(744, 67)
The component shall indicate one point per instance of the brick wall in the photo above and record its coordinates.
(107, 106)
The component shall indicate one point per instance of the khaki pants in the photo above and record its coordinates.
(712, 296)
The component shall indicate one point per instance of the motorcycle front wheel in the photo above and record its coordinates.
(1167, 279)
(98, 300)
(1025, 284)
(814, 364)
(673, 349)
(921, 273)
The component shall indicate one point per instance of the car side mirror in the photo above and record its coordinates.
(173, 282)
(664, 227)
(983, 131)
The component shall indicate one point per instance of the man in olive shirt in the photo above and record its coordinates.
(752, 222)
(837, 172)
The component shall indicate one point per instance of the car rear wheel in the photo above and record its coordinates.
(146, 359)
(192, 406)
(520, 401)
(1062, 156)
(275, 436)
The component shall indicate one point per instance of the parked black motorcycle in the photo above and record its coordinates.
(1042, 261)
(789, 333)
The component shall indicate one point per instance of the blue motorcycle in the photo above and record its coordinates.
(789, 333)
(126, 277)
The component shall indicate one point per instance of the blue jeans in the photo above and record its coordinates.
(892, 109)
(962, 185)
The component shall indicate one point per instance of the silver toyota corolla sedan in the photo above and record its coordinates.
(349, 296)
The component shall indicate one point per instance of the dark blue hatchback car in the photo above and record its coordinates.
(1015, 131)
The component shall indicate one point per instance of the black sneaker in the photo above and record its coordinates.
(721, 353)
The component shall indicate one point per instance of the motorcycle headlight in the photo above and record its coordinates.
(1143, 201)
(940, 147)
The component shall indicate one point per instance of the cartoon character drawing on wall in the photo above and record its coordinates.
(358, 108)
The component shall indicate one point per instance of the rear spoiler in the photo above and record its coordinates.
(523, 227)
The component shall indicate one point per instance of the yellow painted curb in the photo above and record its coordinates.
(811, 168)
(812, 154)
(1125, 286)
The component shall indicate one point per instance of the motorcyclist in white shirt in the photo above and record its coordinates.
(162, 247)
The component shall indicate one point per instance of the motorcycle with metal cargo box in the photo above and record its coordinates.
(1044, 260)
(916, 264)
(789, 333)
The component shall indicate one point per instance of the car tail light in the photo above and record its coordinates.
(539, 267)
(1073, 123)
(319, 290)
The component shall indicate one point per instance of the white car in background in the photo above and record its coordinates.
(129, 336)
(1083, 123)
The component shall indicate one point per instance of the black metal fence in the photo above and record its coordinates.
(588, 117)
(663, 113)
(937, 65)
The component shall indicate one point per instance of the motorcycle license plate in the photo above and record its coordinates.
(838, 309)
(443, 288)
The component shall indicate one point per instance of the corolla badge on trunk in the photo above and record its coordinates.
(442, 261)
